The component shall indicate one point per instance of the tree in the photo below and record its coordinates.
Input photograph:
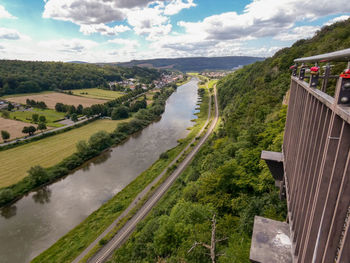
(35, 117)
(5, 135)
(42, 119)
(80, 109)
(83, 148)
(213, 242)
(59, 107)
(74, 117)
(10, 106)
(120, 112)
(37, 174)
(42, 126)
(100, 140)
(71, 109)
(29, 129)
(5, 114)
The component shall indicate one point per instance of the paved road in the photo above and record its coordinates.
(46, 132)
(128, 228)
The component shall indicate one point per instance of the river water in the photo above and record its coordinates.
(36, 221)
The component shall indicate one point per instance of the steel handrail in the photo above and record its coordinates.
(339, 56)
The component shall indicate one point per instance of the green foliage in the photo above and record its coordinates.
(42, 126)
(26, 76)
(74, 117)
(10, 106)
(227, 177)
(100, 141)
(36, 104)
(5, 135)
(42, 119)
(121, 112)
(164, 155)
(29, 129)
(5, 114)
(35, 117)
(37, 174)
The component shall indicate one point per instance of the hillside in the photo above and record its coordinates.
(194, 63)
(26, 76)
(228, 178)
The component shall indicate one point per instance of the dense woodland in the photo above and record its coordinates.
(227, 178)
(26, 76)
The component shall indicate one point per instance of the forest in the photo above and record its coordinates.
(227, 178)
(29, 77)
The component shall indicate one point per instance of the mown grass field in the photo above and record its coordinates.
(51, 116)
(73, 243)
(97, 93)
(46, 152)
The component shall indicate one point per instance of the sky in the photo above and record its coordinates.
(123, 30)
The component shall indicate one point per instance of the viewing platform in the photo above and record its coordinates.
(313, 169)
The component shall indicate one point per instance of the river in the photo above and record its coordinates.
(36, 221)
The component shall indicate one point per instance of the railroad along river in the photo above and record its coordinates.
(36, 221)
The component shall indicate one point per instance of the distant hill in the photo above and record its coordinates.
(194, 63)
(77, 62)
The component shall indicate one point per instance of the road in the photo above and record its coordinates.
(64, 127)
(48, 131)
(122, 235)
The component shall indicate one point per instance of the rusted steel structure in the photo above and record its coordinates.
(316, 168)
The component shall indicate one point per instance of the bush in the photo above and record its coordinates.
(37, 174)
(83, 148)
(164, 155)
(72, 162)
(103, 242)
(100, 141)
(5, 114)
(6, 195)
(121, 112)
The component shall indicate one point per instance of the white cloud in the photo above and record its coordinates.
(11, 34)
(146, 17)
(103, 29)
(4, 13)
(176, 6)
(69, 45)
(337, 19)
(83, 12)
(296, 33)
(263, 18)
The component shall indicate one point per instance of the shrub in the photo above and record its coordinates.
(37, 174)
(164, 155)
(121, 112)
(100, 141)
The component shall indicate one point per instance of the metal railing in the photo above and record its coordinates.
(317, 162)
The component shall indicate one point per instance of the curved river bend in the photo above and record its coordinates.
(39, 219)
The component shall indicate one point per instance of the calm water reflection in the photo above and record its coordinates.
(36, 221)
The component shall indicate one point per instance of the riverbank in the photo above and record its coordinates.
(72, 244)
(97, 144)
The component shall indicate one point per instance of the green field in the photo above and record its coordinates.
(97, 93)
(46, 152)
(51, 116)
